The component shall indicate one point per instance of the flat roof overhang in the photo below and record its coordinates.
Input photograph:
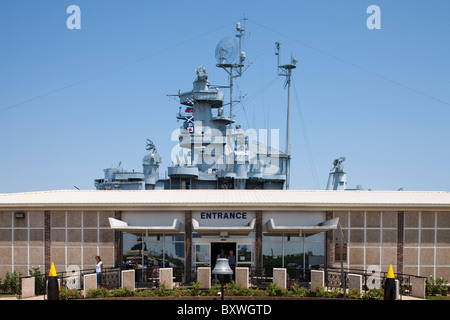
(263, 200)
(328, 225)
(223, 231)
(123, 226)
(175, 228)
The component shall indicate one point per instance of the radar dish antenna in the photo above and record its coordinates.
(226, 51)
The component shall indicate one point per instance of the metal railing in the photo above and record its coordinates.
(262, 277)
(258, 278)
(149, 277)
(111, 278)
(333, 279)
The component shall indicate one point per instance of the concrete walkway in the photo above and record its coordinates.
(410, 298)
(15, 298)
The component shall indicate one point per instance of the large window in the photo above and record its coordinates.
(153, 251)
(286, 251)
(202, 255)
(245, 255)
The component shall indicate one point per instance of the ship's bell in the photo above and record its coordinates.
(222, 267)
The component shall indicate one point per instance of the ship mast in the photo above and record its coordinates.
(228, 65)
(286, 71)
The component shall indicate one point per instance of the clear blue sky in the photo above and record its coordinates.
(73, 102)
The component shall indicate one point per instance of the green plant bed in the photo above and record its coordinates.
(68, 294)
(322, 293)
(373, 294)
(232, 291)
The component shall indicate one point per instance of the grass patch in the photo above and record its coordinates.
(438, 298)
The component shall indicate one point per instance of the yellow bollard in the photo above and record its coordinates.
(52, 284)
(389, 285)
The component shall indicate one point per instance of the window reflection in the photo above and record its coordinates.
(293, 252)
(153, 251)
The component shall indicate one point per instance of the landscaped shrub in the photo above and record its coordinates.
(272, 290)
(354, 294)
(40, 286)
(237, 289)
(322, 293)
(98, 293)
(296, 291)
(437, 286)
(214, 290)
(66, 294)
(11, 283)
(195, 289)
(373, 294)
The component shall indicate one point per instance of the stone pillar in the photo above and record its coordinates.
(242, 276)
(329, 243)
(279, 277)
(317, 279)
(354, 282)
(90, 282)
(166, 277)
(47, 241)
(187, 246)
(28, 287)
(418, 289)
(118, 242)
(128, 279)
(204, 276)
(258, 243)
(400, 240)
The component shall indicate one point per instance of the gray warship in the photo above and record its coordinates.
(213, 152)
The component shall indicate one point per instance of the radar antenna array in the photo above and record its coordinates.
(227, 51)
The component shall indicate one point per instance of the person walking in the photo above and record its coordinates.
(99, 270)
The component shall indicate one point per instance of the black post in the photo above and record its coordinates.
(221, 281)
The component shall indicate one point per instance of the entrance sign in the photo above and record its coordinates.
(223, 215)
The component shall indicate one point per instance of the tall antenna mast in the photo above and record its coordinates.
(226, 58)
(286, 71)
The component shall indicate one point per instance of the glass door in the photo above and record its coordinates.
(202, 255)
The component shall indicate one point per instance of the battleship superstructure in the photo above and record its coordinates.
(212, 154)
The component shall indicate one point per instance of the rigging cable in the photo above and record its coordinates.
(254, 96)
(305, 135)
(114, 69)
(353, 64)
